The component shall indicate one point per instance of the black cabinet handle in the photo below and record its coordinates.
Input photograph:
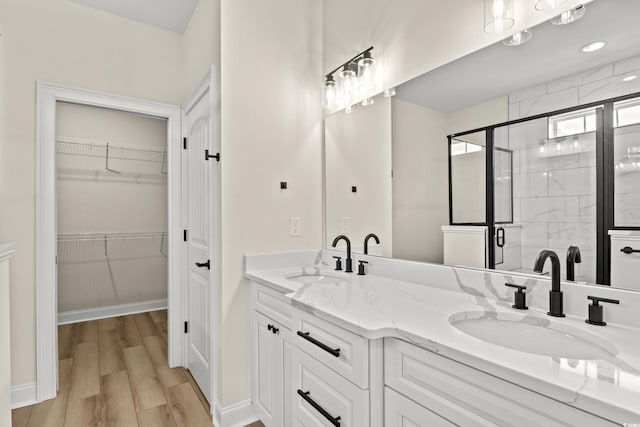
(322, 345)
(204, 264)
(629, 250)
(323, 412)
(269, 327)
(500, 240)
(275, 330)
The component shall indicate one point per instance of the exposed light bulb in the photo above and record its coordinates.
(330, 95)
(569, 16)
(518, 38)
(498, 16)
(366, 78)
(368, 101)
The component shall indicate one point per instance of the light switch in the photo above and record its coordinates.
(345, 225)
(295, 227)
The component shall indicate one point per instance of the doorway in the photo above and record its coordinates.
(49, 95)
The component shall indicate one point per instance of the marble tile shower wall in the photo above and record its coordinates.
(554, 196)
(582, 88)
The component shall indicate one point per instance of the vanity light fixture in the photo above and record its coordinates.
(356, 78)
(518, 38)
(592, 47)
(548, 4)
(629, 78)
(498, 16)
(569, 16)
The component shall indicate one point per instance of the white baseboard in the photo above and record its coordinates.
(237, 415)
(110, 311)
(23, 395)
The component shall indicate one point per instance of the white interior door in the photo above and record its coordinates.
(198, 131)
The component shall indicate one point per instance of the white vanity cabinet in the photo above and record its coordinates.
(332, 376)
(271, 356)
(462, 395)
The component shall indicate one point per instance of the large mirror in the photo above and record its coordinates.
(505, 152)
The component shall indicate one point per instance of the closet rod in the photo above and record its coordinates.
(72, 237)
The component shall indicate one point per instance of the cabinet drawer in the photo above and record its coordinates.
(400, 411)
(271, 303)
(327, 396)
(341, 350)
(469, 397)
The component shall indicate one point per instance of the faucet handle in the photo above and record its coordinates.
(338, 263)
(361, 267)
(520, 298)
(596, 311)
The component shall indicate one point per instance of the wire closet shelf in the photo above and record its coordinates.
(117, 240)
(111, 150)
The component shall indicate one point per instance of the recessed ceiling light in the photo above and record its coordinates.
(592, 47)
(629, 78)
(518, 38)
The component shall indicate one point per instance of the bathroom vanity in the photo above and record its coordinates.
(428, 345)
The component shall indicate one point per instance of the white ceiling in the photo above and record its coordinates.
(172, 15)
(552, 53)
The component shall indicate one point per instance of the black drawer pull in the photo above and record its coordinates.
(323, 346)
(310, 401)
(629, 250)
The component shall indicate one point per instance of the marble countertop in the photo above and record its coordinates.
(6, 250)
(376, 307)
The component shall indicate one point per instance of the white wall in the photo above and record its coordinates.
(358, 153)
(63, 42)
(201, 45)
(271, 58)
(91, 200)
(414, 36)
(420, 177)
(487, 113)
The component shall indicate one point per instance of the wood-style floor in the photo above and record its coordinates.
(114, 373)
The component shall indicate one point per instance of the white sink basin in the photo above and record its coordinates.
(533, 334)
(315, 278)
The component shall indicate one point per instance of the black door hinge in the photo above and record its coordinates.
(184, 235)
(184, 143)
(186, 327)
(208, 156)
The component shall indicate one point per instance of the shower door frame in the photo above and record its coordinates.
(605, 179)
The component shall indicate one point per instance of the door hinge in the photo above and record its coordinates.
(186, 327)
(184, 143)
(208, 156)
(184, 235)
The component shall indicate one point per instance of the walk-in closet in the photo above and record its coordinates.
(111, 213)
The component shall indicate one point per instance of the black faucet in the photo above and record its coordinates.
(348, 262)
(555, 294)
(573, 257)
(366, 242)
